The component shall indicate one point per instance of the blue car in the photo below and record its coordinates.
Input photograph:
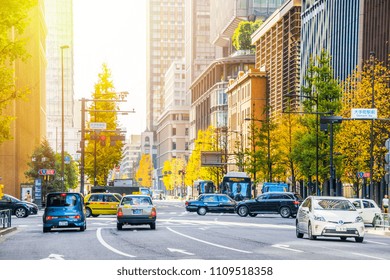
(64, 210)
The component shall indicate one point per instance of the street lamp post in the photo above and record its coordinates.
(371, 191)
(62, 117)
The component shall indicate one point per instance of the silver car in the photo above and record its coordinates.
(136, 210)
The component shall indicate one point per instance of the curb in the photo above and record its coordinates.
(4, 231)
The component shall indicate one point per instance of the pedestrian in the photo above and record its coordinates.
(27, 196)
(385, 203)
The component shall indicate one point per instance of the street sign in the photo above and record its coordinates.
(97, 125)
(362, 113)
(46, 172)
(360, 174)
(67, 159)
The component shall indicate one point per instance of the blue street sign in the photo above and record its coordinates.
(360, 174)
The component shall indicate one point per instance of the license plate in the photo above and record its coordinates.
(63, 223)
(137, 211)
(341, 229)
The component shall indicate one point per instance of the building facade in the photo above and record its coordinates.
(165, 43)
(208, 92)
(246, 95)
(173, 124)
(29, 128)
(277, 43)
(333, 26)
(59, 53)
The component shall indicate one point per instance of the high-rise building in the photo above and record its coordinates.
(29, 128)
(165, 43)
(59, 53)
(333, 26)
(173, 124)
(225, 16)
(277, 43)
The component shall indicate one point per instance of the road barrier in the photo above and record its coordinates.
(5, 218)
(382, 220)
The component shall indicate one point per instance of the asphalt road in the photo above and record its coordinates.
(183, 235)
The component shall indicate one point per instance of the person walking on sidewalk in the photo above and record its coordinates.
(385, 203)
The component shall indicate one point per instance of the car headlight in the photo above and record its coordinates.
(359, 219)
(319, 218)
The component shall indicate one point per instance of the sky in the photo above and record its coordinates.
(112, 32)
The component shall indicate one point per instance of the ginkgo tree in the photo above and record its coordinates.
(100, 155)
(206, 141)
(144, 172)
(364, 86)
(13, 20)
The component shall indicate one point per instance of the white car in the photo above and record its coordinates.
(329, 216)
(368, 208)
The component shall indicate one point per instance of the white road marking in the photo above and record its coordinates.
(180, 251)
(54, 257)
(379, 243)
(105, 244)
(209, 243)
(286, 247)
(368, 256)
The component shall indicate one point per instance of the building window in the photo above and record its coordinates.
(174, 131)
(173, 145)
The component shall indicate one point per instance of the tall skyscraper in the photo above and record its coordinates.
(333, 26)
(59, 20)
(165, 43)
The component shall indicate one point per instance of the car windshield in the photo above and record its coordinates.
(136, 200)
(61, 200)
(333, 204)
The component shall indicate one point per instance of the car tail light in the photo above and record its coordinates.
(77, 217)
(63, 194)
(186, 203)
(119, 213)
(153, 213)
(48, 218)
(296, 202)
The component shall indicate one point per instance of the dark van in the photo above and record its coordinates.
(64, 210)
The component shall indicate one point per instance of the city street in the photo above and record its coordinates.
(183, 235)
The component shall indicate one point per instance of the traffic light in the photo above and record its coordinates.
(387, 159)
(102, 140)
(1, 190)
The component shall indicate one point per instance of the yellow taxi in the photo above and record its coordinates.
(101, 204)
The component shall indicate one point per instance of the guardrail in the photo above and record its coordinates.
(382, 220)
(5, 218)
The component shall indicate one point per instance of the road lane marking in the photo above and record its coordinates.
(105, 244)
(180, 251)
(209, 243)
(54, 257)
(375, 242)
(286, 247)
(368, 256)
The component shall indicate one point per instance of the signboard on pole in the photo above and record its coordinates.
(97, 125)
(362, 113)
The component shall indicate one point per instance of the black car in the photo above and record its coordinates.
(215, 203)
(284, 203)
(19, 208)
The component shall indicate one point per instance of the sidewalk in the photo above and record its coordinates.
(4, 231)
(378, 231)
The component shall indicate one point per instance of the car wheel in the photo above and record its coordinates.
(310, 233)
(343, 238)
(243, 211)
(95, 215)
(153, 226)
(285, 212)
(88, 212)
(252, 214)
(21, 212)
(202, 211)
(119, 226)
(297, 232)
(359, 239)
(46, 229)
(84, 227)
